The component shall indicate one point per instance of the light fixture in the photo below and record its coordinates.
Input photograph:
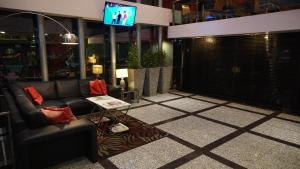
(46, 34)
(92, 59)
(2, 32)
(97, 70)
(122, 73)
(209, 40)
(68, 38)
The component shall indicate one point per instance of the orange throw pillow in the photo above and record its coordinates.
(34, 94)
(98, 87)
(59, 115)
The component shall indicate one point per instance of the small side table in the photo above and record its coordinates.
(131, 96)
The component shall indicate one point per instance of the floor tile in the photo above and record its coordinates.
(180, 93)
(289, 117)
(195, 130)
(203, 162)
(253, 151)
(210, 99)
(154, 113)
(162, 97)
(282, 129)
(251, 108)
(140, 103)
(232, 116)
(79, 163)
(152, 155)
(188, 104)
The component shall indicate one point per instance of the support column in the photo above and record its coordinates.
(160, 30)
(139, 41)
(113, 55)
(82, 64)
(42, 48)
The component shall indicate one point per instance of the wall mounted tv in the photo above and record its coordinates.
(119, 14)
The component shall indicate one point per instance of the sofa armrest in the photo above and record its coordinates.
(57, 142)
(52, 131)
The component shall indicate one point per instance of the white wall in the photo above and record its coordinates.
(273, 22)
(89, 9)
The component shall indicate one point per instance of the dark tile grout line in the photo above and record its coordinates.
(274, 139)
(287, 119)
(223, 160)
(107, 164)
(207, 149)
(250, 111)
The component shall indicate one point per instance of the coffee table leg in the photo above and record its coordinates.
(126, 113)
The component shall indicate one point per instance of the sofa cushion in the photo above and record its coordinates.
(32, 115)
(46, 89)
(34, 94)
(52, 103)
(78, 105)
(84, 88)
(67, 88)
(59, 115)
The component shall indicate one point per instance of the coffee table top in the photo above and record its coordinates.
(108, 102)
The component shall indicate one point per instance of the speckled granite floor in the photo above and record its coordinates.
(207, 133)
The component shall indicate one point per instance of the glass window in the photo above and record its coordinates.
(149, 35)
(18, 56)
(97, 45)
(63, 60)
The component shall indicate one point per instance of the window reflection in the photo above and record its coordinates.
(63, 60)
(208, 10)
(18, 56)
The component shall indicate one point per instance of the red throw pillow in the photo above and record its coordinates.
(34, 94)
(58, 115)
(103, 86)
(98, 87)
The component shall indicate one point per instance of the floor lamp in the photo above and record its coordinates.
(68, 38)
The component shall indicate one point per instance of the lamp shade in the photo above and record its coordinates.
(121, 73)
(92, 59)
(97, 69)
(70, 39)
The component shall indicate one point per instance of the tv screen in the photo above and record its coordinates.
(119, 14)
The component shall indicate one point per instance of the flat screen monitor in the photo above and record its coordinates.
(119, 14)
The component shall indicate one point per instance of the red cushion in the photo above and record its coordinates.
(58, 115)
(103, 87)
(98, 87)
(34, 94)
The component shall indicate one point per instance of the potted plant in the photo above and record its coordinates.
(165, 74)
(150, 62)
(136, 73)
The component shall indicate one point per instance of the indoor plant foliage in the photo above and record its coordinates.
(151, 62)
(136, 73)
(165, 74)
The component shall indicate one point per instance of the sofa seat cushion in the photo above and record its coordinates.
(52, 103)
(79, 106)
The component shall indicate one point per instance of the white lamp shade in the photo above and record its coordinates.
(97, 69)
(121, 73)
(70, 39)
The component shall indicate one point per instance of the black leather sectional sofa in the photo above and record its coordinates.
(39, 144)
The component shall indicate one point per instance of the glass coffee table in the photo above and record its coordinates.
(108, 105)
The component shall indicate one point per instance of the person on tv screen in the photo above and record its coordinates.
(114, 18)
(119, 17)
(124, 18)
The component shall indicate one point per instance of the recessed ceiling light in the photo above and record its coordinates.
(2, 32)
(46, 34)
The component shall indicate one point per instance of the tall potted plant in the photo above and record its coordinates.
(150, 62)
(136, 73)
(165, 74)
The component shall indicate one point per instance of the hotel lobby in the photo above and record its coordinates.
(147, 84)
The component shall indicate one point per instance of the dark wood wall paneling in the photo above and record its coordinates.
(248, 68)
